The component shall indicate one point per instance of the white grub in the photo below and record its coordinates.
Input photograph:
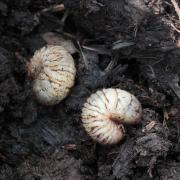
(53, 71)
(105, 112)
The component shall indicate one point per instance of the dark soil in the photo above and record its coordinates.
(130, 44)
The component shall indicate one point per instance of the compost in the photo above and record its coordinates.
(129, 44)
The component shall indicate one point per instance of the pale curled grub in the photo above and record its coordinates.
(105, 112)
(53, 71)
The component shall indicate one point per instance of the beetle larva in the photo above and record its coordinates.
(53, 71)
(105, 112)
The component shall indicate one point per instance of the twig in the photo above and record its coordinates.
(55, 8)
(173, 83)
(176, 7)
(119, 45)
(64, 16)
(99, 49)
(175, 28)
(83, 56)
(111, 65)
